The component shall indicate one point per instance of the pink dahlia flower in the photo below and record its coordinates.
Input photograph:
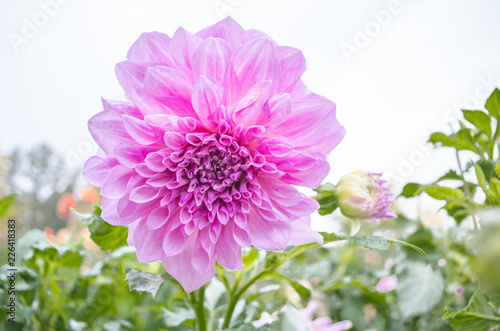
(363, 195)
(202, 159)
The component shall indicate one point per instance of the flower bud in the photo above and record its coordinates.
(362, 195)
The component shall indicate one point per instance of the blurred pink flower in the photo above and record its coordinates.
(321, 323)
(66, 201)
(363, 195)
(387, 284)
(203, 159)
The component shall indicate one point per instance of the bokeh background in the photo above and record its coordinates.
(397, 70)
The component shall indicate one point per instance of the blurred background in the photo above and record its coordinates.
(397, 69)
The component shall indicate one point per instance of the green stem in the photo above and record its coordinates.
(198, 307)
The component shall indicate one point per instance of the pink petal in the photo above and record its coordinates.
(181, 268)
(183, 46)
(303, 169)
(280, 108)
(174, 242)
(227, 29)
(255, 62)
(207, 96)
(108, 131)
(249, 107)
(152, 47)
(228, 251)
(115, 183)
(148, 243)
(131, 75)
(157, 218)
(316, 112)
(128, 154)
(139, 130)
(110, 211)
(211, 59)
(165, 82)
(144, 194)
(302, 233)
(268, 235)
(96, 169)
(293, 65)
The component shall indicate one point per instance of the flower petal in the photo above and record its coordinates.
(316, 112)
(268, 235)
(211, 59)
(152, 47)
(207, 96)
(293, 65)
(255, 62)
(227, 29)
(181, 268)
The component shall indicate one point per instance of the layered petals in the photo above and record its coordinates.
(201, 161)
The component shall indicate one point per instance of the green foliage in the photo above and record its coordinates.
(419, 289)
(5, 205)
(103, 234)
(327, 198)
(143, 281)
(478, 315)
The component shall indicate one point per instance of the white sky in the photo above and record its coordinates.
(427, 61)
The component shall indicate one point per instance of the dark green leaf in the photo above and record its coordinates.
(143, 281)
(103, 234)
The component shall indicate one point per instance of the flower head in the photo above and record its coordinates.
(321, 323)
(202, 159)
(362, 195)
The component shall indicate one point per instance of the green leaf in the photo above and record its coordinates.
(173, 319)
(382, 244)
(493, 104)
(5, 205)
(143, 281)
(479, 119)
(488, 167)
(481, 180)
(371, 242)
(443, 193)
(462, 140)
(477, 315)
(497, 169)
(450, 175)
(411, 190)
(103, 234)
(327, 198)
(494, 193)
(419, 289)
